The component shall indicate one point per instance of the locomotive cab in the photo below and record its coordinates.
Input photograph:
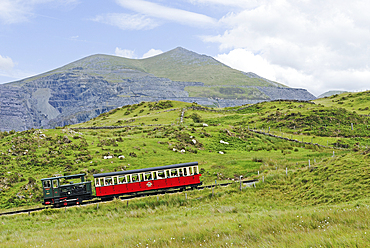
(61, 191)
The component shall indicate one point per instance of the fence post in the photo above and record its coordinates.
(186, 196)
(352, 126)
(309, 164)
(240, 182)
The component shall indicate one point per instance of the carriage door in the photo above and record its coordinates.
(55, 184)
(46, 185)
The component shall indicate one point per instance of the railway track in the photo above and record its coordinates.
(23, 211)
(127, 197)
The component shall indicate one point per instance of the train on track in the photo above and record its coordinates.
(61, 191)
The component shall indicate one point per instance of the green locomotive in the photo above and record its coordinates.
(60, 191)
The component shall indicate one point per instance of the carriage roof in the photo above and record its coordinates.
(146, 169)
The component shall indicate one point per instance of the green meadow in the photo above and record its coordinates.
(311, 160)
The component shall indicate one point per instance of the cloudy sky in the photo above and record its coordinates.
(317, 45)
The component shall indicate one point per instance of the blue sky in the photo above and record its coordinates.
(317, 45)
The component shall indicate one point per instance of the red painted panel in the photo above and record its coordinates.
(147, 185)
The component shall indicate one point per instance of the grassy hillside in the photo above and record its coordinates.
(197, 68)
(308, 195)
(330, 93)
(178, 65)
(357, 102)
(152, 134)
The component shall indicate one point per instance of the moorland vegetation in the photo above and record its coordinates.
(311, 160)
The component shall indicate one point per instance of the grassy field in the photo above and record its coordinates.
(358, 102)
(307, 195)
(228, 218)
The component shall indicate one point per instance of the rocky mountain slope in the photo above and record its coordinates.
(84, 89)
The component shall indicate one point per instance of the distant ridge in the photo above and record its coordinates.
(331, 93)
(92, 85)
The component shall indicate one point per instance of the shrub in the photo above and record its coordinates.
(196, 118)
(133, 154)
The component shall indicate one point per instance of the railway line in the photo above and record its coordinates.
(127, 197)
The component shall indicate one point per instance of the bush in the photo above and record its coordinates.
(133, 154)
(196, 118)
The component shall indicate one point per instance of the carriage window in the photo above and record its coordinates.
(108, 181)
(97, 182)
(122, 179)
(55, 183)
(181, 170)
(47, 184)
(147, 176)
(161, 174)
(186, 171)
(135, 178)
(173, 173)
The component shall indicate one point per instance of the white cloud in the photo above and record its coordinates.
(316, 82)
(238, 3)
(125, 53)
(167, 13)
(6, 64)
(152, 52)
(127, 21)
(16, 11)
(131, 54)
(8, 69)
(13, 11)
(319, 45)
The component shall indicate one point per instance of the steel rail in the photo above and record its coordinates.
(125, 197)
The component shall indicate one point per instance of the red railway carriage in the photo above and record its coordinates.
(155, 178)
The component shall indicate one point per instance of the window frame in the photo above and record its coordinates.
(57, 183)
(46, 181)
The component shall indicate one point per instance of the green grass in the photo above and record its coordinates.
(227, 218)
(28, 156)
(283, 210)
(358, 102)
